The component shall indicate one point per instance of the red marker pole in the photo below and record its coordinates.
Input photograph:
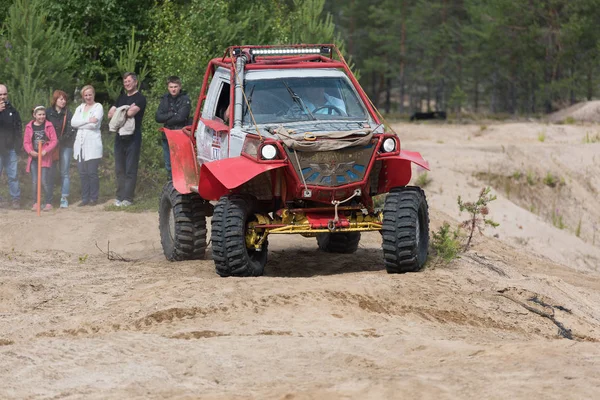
(39, 180)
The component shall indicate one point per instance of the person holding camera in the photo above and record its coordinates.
(10, 143)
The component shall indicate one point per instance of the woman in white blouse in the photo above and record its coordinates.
(87, 149)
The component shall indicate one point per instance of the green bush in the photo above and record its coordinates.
(445, 243)
(550, 180)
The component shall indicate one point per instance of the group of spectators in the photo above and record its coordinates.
(61, 136)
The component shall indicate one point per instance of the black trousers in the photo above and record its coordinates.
(127, 159)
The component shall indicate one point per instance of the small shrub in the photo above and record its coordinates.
(445, 243)
(531, 178)
(550, 180)
(517, 175)
(569, 120)
(542, 136)
(423, 180)
(478, 212)
(578, 229)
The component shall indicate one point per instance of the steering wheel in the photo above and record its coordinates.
(332, 110)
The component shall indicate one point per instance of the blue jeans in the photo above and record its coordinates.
(66, 154)
(167, 157)
(8, 162)
(46, 198)
(90, 181)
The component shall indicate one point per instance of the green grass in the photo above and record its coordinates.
(531, 178)
(423, 180)
(557, 220)
(591, 138)
(550, 180)
(542, 137)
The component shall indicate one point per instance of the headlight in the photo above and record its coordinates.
(268, 152)
(389, 145)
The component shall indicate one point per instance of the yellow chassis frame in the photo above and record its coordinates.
(297, 223)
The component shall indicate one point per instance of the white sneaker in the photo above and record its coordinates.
(118, 203)
(126, 203)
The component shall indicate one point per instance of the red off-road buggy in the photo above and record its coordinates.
(286, 141)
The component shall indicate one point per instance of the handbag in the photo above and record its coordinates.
(56, 151)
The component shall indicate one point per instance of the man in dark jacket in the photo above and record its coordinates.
(128, 148)
(173, 112)
(10, 142)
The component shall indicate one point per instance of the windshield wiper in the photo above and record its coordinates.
(299, 101)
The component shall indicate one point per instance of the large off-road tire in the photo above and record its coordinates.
(230, 219)
(405, 230)
(182, 224)
(341, 242)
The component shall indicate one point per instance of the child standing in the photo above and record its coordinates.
(40, 130)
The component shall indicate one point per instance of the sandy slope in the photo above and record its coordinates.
(76, 325)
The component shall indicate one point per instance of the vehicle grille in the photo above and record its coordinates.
(332, 168)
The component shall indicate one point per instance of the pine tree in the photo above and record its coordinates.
(38, 55)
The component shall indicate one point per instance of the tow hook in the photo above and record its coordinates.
(331, 223)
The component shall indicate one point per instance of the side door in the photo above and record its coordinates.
(212, 132)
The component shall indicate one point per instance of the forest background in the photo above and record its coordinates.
(497, 57)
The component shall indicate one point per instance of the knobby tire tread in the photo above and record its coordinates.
(189, 214)
(228, 238)
(403, 206)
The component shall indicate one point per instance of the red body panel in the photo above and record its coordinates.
(184, 166)
(219, 177)
(414, 157)
(396, 171)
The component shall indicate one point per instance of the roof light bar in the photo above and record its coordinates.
(290, 51)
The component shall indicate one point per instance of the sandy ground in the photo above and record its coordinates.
(518, 316)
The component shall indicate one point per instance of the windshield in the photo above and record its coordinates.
(302, 99)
